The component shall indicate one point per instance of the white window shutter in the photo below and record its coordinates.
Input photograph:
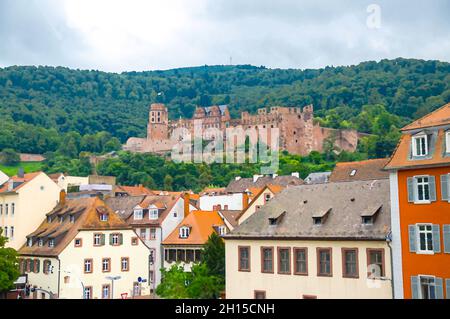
(436, 239)
(444, 187)
(415, 287)
(446, 231)
(432, 184)
(411, 190)
(412, 238)
(439, 288)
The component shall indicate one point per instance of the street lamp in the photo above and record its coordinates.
(113, 278)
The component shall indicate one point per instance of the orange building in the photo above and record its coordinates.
(420, 213)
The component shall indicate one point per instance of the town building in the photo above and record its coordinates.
(360, 171)
(314, 241)
(261, 198)
(257, 182)
(24, 201)
(185, 244)
(153, 218)
(3, 178)
(420, 183)
(79, 246)
(67, 182)
(298, 132)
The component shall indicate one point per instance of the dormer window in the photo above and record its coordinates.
(30, 242)
(367, 220)
(72, 219)
(184, 232)
(138, 214)
(61, 219)
(103, 217)
(153, 213)
(51, 243)
(447, 141)
(353, 172)
(40, 242)
(420, 145)
(222, 230)
(317, 221)
(49, 219)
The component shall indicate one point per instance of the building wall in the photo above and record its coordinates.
(47, 282)
(72, 260)
(435, 213)
(242, 285)
(233, 201)
(65, 181)
(32, 202)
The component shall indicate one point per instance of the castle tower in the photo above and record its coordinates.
(158, 123)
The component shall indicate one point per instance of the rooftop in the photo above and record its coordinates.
(360, 171)
(242, 184)
(441, 116)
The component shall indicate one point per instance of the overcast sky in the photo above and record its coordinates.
(125, 35)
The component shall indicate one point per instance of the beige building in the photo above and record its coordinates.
(314, 241)
(24, 201)
(78, 247)
(65, 181)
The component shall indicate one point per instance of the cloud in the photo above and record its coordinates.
(119, 35)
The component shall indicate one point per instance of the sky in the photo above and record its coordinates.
(138, 35)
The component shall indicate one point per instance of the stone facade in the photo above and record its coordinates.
(298, 132)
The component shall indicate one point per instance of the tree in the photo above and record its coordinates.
(203, 285)
(168, 181)
(9, 270)
(214, 255)
(173, 283)
(9, 157)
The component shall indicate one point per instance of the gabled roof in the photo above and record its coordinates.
(441, 116)
(275, 189)
(202, 225)
(301, 203)
(231, 216)
(87, 217)
(360, 171)
(19, 182)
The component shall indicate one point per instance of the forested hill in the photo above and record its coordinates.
(37, 104)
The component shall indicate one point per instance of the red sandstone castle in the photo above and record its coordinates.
(298, 133)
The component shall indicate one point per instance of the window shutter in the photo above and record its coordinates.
(103, 240)
(439, 288)
(37, 265)
(411, 192)
(446, 232)
(444, 188)
(415, 287)
(447, 284)
(412, 238)
(110, 239)
(436, 239)
(432, 188)
(120, 239)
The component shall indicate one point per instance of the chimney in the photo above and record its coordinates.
(62, 197)
(274, 176)
(256, 177)
(237, 178)
(21, 173)
(296, 174)
(245, 200)
(187, 198)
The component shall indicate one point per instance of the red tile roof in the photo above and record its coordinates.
(22, 180)
(441, 116)
(363, 171)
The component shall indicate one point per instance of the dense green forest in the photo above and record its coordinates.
(39, 104)
(69, 114)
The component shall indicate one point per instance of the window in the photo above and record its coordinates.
(420, 145)
(367, 220)
(136, 289)
(427, 287)
(184, 232)
(350, 263)
(88, 267)
(134, 241)
(221, 230)
(198, 256)
(143, 232)
(423, 189)
(115, 239)
(447, 142)
(6, 209)
(37, 265)
(425, 238)
(324, 262)
(124, 264)
(244, 258)
(260, 294)
(105, 292)
(189, 255)
(30, 242)
(375, 263)
(72, 219)
(98, 240)
(106, 264)
(267, 260)
(78, 242)
(284, 260)
(181, 255)
(11, 232)
(267, 197)
(40, 242)
(87, 292)
(13, 208)
(152, 233)
(103, 217)
(153, 214)
(47, 267)
(51, 243)
(300, 261)
(138, 214)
